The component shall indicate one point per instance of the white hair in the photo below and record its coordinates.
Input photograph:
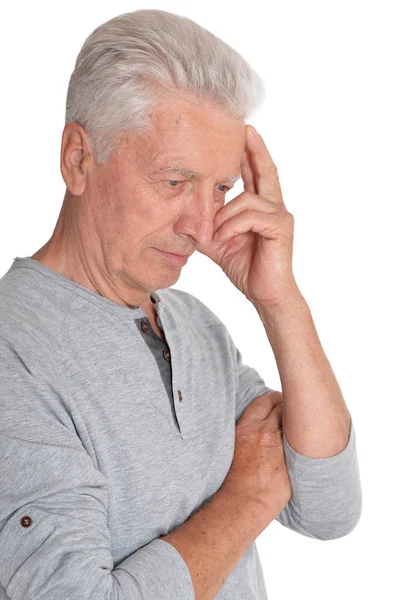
(131, 62)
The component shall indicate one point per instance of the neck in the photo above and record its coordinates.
(65, 253)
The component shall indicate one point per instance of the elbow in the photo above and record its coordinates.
(338, 529)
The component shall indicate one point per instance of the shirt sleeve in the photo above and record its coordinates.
(250, 385)
(326, 500)
(54, 537)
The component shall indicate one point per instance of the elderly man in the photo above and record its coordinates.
(140, 458)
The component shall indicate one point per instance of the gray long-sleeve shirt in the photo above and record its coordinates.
(111, 437)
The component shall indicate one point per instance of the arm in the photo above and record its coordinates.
(319, 437)
(326, 497)
(315, 417)
(326, 500)
(63, 548)
(216, 537)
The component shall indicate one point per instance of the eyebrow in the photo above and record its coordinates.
(196, 175)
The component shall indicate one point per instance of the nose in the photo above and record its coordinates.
(197, 217)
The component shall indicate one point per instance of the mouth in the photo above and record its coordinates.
(174, 254)
(177, 259)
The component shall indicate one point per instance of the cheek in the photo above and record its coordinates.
(143, 212)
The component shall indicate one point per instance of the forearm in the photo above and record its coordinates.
(316, 420)
(216, 537)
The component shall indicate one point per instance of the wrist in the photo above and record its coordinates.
(257, 507)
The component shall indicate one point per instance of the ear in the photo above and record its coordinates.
(76, 158)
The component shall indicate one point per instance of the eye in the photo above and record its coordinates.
(173, 181)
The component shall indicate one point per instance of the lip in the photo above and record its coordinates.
(175, 259)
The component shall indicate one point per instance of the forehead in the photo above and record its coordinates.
(193, 139)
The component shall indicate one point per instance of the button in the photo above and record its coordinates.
(180, 395)
(166, 354)
(26, 521)
(144, 326)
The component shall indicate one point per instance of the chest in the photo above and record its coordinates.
(158, 473)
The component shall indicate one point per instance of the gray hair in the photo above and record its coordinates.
(131, 62)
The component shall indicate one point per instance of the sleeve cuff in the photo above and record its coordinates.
(159, 570)
(295, 459)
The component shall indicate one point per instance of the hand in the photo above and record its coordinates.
(259, 470)
(253, 234)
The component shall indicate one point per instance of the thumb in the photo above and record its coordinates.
(274, 420)
(260, 408)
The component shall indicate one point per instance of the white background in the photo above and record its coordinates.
(330, 121)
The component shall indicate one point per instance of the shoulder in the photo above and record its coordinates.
(186, 305)
(30, 322)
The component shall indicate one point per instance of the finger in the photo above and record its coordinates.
(241, 202)
(265, 172)
(260, 408)
(249, 220)
(247, 173)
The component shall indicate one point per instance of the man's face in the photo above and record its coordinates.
(136, 208)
